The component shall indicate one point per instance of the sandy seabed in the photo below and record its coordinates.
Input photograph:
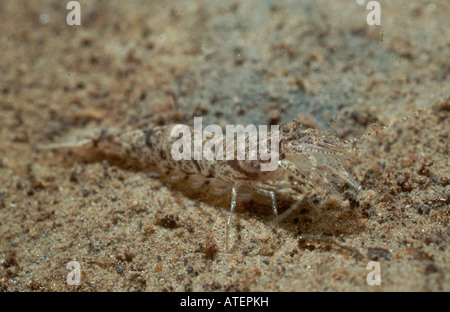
(239, 62)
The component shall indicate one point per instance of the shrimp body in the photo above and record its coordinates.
(308, 162)
(306, 156)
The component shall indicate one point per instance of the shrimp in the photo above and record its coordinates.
(309, 162)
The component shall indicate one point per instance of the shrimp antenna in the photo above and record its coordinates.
(333, 124)
(376, 129)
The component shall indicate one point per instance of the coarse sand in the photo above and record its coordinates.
(137, 64)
